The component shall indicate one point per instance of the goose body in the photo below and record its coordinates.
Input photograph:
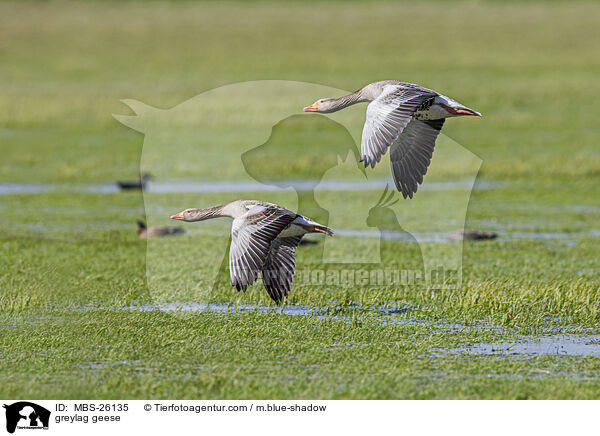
(405, 117)
(264, 237)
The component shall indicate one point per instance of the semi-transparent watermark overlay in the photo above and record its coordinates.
(251, 140)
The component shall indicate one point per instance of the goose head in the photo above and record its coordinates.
(323, 105)
(184, 215)
(191, 215)
(195, 214)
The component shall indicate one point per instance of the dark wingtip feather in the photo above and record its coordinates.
(276, 295)
(240, 286)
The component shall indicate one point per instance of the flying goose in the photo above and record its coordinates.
(150, 232)
(404, 116)
(264, 237)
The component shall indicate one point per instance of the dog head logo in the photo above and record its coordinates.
(26, 415)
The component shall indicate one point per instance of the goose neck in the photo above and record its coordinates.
(348, 100)
(209, 213)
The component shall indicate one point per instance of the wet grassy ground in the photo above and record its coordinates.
(66, 66)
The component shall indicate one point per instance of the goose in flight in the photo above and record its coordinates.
(403, 116)
(264, 237)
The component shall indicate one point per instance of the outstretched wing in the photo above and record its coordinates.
(387, 116)
(411, 153)
(280, 266)
(251, 237)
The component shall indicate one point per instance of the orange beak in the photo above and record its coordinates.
(177, 216)
(311, 108)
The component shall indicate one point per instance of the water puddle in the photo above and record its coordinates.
(219, 308)
(25, 188)
(394, 235)
(98, 189)
(134, 365)
(524, 346)
(569, 238)
(229, 186)
(233, 186)
(542, 236)
(554, 345)
(382, 315)
(18, 188)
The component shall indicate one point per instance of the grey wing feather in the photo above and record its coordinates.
(280, 266)
(411, 154)
(251, 237)
(387, 116)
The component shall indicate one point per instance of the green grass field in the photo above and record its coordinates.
(71, 262)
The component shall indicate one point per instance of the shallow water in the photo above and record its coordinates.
(27, 188)
(19, 188)
(232, 186)
(524, 346)
(220, 308)
(551, 345)
(445, 237)
(229, 186)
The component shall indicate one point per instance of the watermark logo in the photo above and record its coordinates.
(252, 141)
(25, 415)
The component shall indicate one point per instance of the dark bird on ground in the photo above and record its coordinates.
(472, 235)
(405, 117)
(264, 237)
(151, 232)
(138, 184)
